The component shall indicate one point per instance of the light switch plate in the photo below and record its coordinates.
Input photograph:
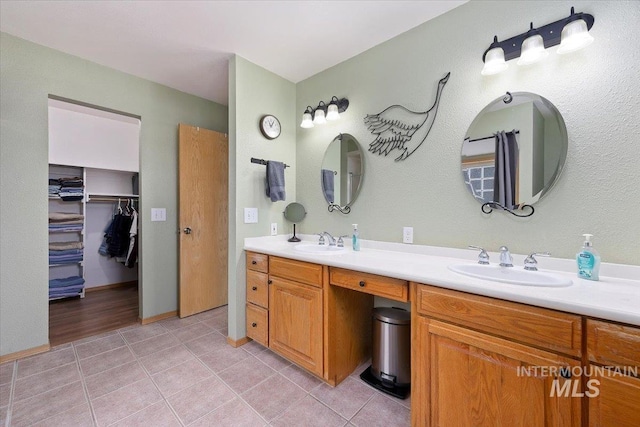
(158, 214)
(407, 234)
(274, 228)
(250, 215)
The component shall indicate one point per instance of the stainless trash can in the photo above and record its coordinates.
(390, 369)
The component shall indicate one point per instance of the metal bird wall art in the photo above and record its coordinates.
(398, 128)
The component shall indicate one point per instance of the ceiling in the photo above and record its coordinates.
(186, 45)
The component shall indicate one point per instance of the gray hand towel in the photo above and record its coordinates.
(327, 184)
(275, 181)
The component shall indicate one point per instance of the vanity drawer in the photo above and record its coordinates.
(540, 327)
(258, 262)
(258, 288)
(612, 344)
(381, 286)
(299, 271)
(258, 324)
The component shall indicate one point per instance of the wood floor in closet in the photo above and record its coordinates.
(99, 311)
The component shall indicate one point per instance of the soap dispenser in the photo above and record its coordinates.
(588, 260)
(355, 238)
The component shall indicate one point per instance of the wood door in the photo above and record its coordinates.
(295, 323)
(472, 379)
(203, 217)
(617, 403)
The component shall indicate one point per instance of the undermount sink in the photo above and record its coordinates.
(512, 275)
(318, 249)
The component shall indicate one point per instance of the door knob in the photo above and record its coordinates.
(187, 230)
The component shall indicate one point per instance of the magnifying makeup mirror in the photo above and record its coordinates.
(295, 213)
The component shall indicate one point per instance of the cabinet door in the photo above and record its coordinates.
(295, 323)
(474, 379)
(617, 403)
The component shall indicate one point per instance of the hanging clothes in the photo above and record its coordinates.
(121, 236)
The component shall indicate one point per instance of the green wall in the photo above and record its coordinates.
(596, 90)
(254, 92)
(28, 74)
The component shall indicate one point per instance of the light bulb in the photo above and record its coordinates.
(332, 112)
(494, 62)
(306, 121)
(532, 50)
(575, 36)
(318, 117)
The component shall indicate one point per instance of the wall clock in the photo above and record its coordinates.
(270, 126)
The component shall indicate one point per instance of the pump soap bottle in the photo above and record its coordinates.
(588, 260)
(355, 239)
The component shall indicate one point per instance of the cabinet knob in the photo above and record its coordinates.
(269, 282)
(254, 324)
(254, 288)
(362, 283)
(254, 262)
(187, 230)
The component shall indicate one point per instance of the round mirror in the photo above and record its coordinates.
(295, 213)
(514, 150)
(342, 172)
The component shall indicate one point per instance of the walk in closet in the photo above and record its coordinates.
(93, 201)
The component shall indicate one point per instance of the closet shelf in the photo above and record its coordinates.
(66, 231)
(58, 198)
(109, 196)
(67, 263)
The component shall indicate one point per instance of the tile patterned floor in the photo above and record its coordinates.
(181, 372)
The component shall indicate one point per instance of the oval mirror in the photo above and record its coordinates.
(514, 150)
(342, 173)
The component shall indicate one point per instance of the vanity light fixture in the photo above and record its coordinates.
(324, 112)
(571, 33)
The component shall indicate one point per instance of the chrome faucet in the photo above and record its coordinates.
(530, 263)
(483, 256)
(332, 240)
(506, 260)
(341, 242)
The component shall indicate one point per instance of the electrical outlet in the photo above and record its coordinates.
(274, 228)
(407, 234)
(250, 215)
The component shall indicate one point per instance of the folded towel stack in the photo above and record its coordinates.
(66, 287)
(71, 189)
(65, 222)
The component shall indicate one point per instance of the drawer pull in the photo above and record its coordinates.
(255, 288)
(254, 262)
(362, 283)
(254, 324)
(269, 282)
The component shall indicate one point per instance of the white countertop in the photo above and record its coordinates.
(615, 296)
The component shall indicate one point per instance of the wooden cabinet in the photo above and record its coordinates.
(325, 329)
(295, 323)
(468, 368)
(614, 354)
(285, 308)
(296, 312)
(258, 298)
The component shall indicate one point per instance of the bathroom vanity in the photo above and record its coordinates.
(483, 352)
